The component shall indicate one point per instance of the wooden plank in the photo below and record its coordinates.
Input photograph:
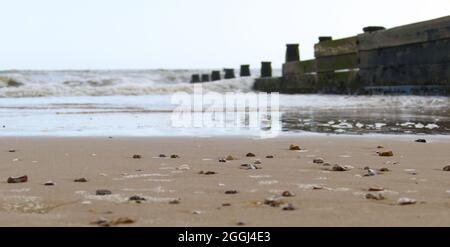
(423, 74)
(336, 47)
(413, 33)
(434, 52)
(348, 61)
(307, 66)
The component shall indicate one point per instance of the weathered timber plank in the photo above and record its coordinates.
(413, 33)
(434, 52)
(336, 47)
(424, 74)
(348, 61)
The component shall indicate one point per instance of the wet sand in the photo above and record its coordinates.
(322, 197)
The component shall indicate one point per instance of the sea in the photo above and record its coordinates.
(142, 103)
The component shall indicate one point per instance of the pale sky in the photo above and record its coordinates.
(145, 34)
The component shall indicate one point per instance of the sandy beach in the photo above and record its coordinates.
(195, 189)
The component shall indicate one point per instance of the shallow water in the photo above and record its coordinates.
(138, 103)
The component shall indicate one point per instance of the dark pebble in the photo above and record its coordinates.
(162, 156)
(269, 157)
(103, 192)
(421, 141)
(447, 168)
(16, 180)
(174, 156)
(251, 155)
(231, 192)
(80, 180)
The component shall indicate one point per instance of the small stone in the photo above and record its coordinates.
(240, 223)
(293, 147)
(207, 173)
(274, 201)
(447, 168)
(377, 197)
(257, 162)
(174, 156)
(406, 201)
(317, 187)
(386, 154)
(287, 194)
(250, 167)
(16, 180)
(226, 204)
(12, 151)
(81, 180)
(103, 192)
(122, 221)
(137, 199)
(318, 161)
(229, 158)
(162, 156)
(376, 189)
(339, 168)
(421, 141)
(231, 192)
(196, 212)
(380, 147)
(49, 183)
(326, 164)
(251, 155)
(137, 156)
(288, 207)
(269, 157)
(221, 160)
(101, 222)
(174, 201)
(384, 169)
(370, 173)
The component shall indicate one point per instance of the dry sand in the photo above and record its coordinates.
(416, 173)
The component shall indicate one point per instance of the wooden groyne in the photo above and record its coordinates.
(410, 59)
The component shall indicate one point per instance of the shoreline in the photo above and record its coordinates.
(322, 197)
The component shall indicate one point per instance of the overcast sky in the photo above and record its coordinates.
(136, 34)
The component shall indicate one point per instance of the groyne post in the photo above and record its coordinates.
(229, 73)
(245, 70)
(205, 78)
(195, 78)
(215, 75)
(266, 69)
(292, 53)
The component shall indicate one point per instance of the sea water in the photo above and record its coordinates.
(139, 103)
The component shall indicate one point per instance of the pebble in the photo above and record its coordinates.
(377, 189)
(406, 201)
(174, 201)
(339, 168)
(16, 180)
(421, 141)
(318, 161)
(274, 201)
(377, 197)
(137, 199)
(293, 147)
(386, 154)
(240, 223)
(207, 173)
(12, 150)
(251, 155)
(447, 168)
(380, 147)
(196, 212)
(269, 157)
(230, 157)
(49, 183)
(137, 156)
(162, 156)
(257, 162)
(174, 156)
(226, 204)
(103, 192)
(384, 169)
(80, 180)
(326, 164)
(101, 222)
(231, 192)
(317, 187)
(250, 167)
(288, 207)
(287, 194)
(370, 173)
(221, 160)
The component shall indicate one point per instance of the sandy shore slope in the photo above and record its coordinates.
(322, 197)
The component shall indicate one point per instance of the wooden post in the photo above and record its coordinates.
(205, 78)
(245, 70)
(229, 73)
(215, 75)
(325, 38)
(195, 78)
(292, 53)
(266, 69)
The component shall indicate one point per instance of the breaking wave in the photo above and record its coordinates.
(15, 84)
